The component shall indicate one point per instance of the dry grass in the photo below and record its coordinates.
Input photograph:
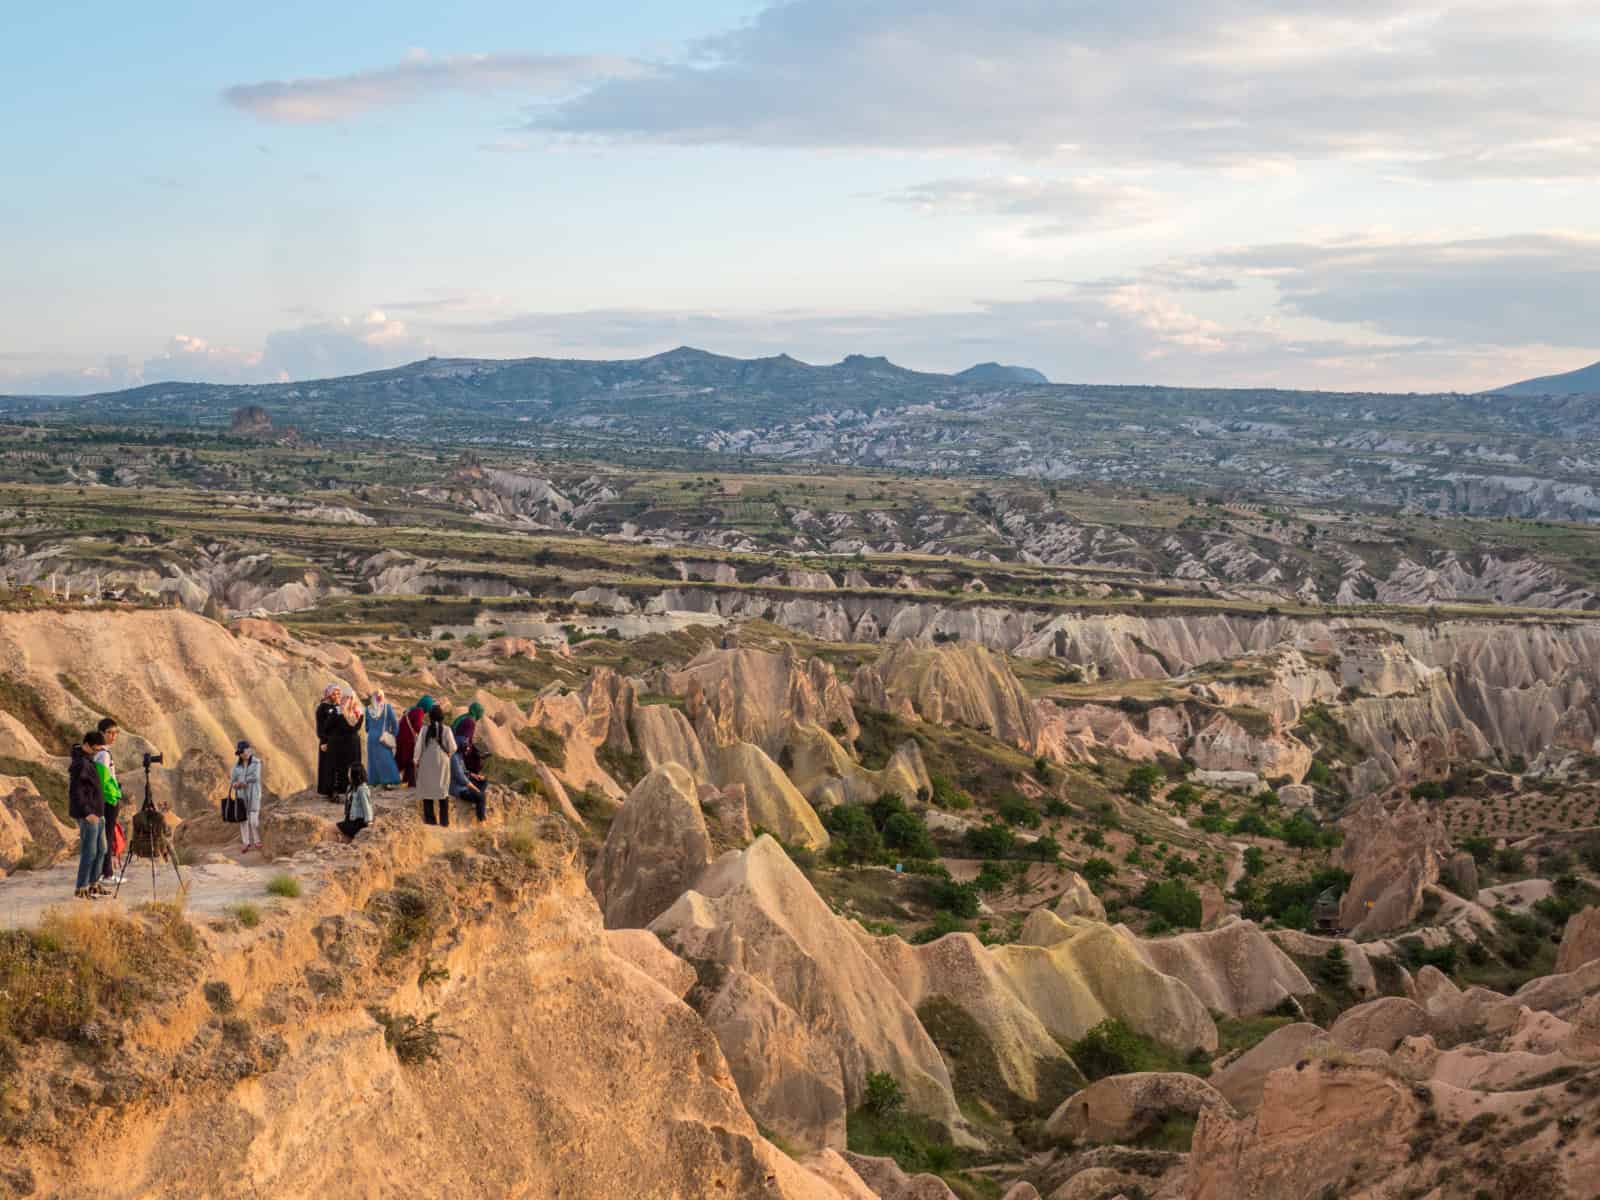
(285, 885)
(247, 914)
(98, 937)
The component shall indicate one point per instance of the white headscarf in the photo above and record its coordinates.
(376, 705)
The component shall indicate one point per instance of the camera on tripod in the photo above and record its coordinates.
(149, 759)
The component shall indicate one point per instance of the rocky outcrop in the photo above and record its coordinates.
(656, 848)
(884, 1177)
(30, 834)
(1241, 1082)
(1380, 1024)
(663, 734)
(177, 682)
(1300, 1139)
(1225, 745)
(1393, 853)
(567, 715)
(1236, 970)
(772, 802)
(1580, 942)
(1073, 974)
(644, 950)
(756, 913)
(1003, 1047)
(1078, 899)
(958, 684)
(748, 695)
(1121, 1108)
(826, 774)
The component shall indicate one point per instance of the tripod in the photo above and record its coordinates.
(149, 839)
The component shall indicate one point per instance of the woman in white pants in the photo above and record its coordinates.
(245, 783)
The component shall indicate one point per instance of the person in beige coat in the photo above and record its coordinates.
(434, 748)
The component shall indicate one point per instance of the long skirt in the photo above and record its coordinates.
(382, 769)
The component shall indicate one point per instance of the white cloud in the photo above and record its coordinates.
(347, 346)
(1048, 207)
(1493, 87)
(328, 98)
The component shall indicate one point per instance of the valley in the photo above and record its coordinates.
(854, 831)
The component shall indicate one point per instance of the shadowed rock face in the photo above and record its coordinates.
(654, 851)
(962, 684)
(755, 912)
(1392, 853)
(1122, 1107)
(1236, 970)
(1580, 943)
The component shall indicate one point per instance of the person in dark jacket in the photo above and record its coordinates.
(86, 805)
(327, 713)
(467, 787)
(344, 742)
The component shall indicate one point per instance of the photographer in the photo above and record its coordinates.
(112, 791)
(86, 805)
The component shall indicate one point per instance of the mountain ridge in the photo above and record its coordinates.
(1585, 381)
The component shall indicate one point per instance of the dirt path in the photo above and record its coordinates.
(219, 876)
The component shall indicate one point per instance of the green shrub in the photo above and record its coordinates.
(958, 899)
(1172, 901)
(884, 1094)
(1183, 795)
(1015, 810)
(248, 915)
(907, 833)
(1111, 1048)
(854, 837)
(1142, 782)
(993, 840)
(1097, 870)
(285, 885)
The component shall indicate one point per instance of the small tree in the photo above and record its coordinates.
(884, 1094)
(1142, 782)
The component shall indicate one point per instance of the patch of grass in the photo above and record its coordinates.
(170, 923)
(1113, 1048)
(247, 914)
(1242, 1033)
(627, 767)
(546, 745)
(285, 885)
(1174, 1132)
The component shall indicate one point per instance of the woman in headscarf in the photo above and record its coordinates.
(432, 755)
(466, 731)
(383, 770)
(327, 713)
(345, 744)
(405, 742)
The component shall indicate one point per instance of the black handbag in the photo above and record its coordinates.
(233, 809)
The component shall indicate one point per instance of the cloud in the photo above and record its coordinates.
(319, 350)
(1527, 289)
(347, 346)
(1463, 87)
(1048, 207)
(329, 98)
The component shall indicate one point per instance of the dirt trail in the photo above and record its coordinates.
(220, 876)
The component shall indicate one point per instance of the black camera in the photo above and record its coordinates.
(152, 758)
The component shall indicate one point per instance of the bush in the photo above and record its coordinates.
(285, 885)
(993, 840)
(1112, 1048)
(1097, 870)
(992, 877)
(1334, 968)
(1015, 810)
(1428, 790)
(1255, 861)
(907, 833)
(884, 1094)
(958, 899)
(854, 837)
(248, 915)
(1252, 824)
(1056, 807)
(947, 795)
(1510, 862)
(1172, 901)
(1045, 849)
(1481, 849)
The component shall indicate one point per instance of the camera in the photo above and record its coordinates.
(152, 758)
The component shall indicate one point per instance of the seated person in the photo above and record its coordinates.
(467, 786)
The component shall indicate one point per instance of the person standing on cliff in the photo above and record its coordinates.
(405, 741)
(383, 769)
(432, 756)
(112, 791)
(86, 804)
(327, 712)
(345, 743)
(245, 783)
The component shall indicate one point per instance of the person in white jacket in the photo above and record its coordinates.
(245, 783)
(435, 746)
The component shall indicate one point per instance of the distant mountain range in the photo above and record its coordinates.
(1583, 382)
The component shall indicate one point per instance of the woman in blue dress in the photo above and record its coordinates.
(382, 727)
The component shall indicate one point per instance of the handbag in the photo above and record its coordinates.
(386, 739)
(233, 809)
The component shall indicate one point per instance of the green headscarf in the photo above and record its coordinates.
(426, 704)
(475, 711)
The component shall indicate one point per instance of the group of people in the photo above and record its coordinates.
(420, 749)
(94, 801)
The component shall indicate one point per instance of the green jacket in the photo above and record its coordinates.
(109, 787)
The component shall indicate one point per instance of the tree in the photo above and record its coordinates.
(1142, 782)
(907, 833)
(1183, 795)
(960, 899)
(884, 1094)
(1097, 870)
(1172, 901)
(1255, 861)
(854, 838)
(993, 840)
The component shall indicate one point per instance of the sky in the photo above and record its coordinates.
(1381, 195)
